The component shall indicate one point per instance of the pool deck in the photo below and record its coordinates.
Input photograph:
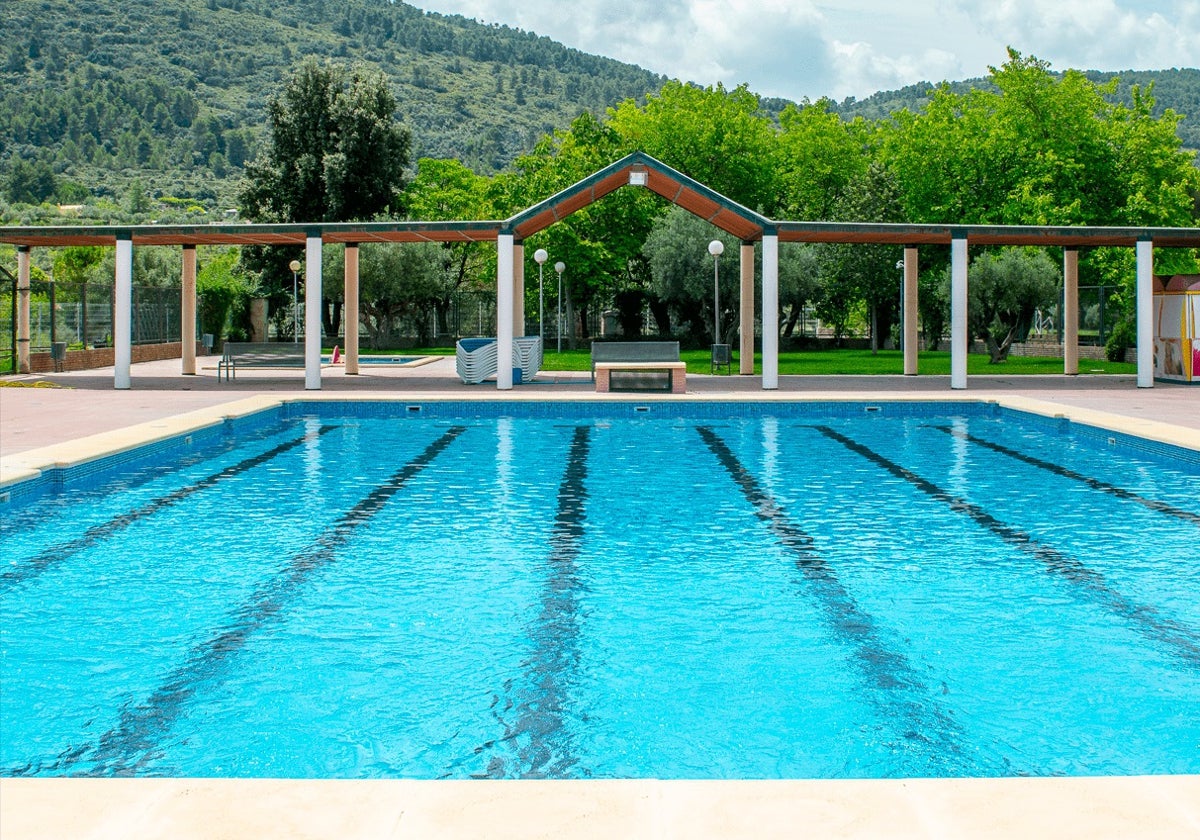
(84, 418)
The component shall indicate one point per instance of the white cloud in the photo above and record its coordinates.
(1095, 34)
(839, 48)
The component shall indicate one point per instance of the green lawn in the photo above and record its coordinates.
(839, 362)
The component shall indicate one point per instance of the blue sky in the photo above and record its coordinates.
(814, 48)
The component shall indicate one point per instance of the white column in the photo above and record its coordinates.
(1145, 313)
(958, 313)
(312, 313)
(1070, 311)
(350, 316)
(518, 319)
(23, 329)
(123, 313)
(911, 307)
(770, 313)
(187, 317)
(504, 311)
(746, 312)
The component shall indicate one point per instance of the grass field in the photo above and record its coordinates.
(841, 362)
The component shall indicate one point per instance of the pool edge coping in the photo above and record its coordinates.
(1063, 807)
(30, 464)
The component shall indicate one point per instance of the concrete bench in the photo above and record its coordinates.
(638, 366)
(258, 355)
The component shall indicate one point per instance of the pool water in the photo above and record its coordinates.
(791, 592)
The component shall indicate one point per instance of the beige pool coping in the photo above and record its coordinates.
(85, 419)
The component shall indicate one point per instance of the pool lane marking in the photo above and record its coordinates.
(537, 734)
(886, 670)
(55, 554)
(134, 741)
(1182, 639)
(1066, 472)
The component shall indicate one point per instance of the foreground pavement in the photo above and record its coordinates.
(80, 416)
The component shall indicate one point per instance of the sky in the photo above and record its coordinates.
(800, 49)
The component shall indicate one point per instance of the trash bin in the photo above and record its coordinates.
(58, 355)
(207, 341)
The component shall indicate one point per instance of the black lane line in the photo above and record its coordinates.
(538, 735)
(1183, 640)
(134, 742)
(886, 671)
(1058, 469)
(55, 554)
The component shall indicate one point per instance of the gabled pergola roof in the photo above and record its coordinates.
(642, 170)
(636, 169)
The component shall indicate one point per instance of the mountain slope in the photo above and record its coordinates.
(173, 92)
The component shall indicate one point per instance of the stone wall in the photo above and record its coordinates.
(100, 357)
(1054, 349)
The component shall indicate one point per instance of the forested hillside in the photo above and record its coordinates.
(171, 94)
(150, 108)
(1177, 89)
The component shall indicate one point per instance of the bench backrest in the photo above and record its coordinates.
(634, 351)
(257, 348)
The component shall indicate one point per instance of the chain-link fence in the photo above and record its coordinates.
(81, 316)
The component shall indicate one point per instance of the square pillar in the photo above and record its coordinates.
(23, 326)
(1145, 313)
(746, 312)
(312, 312)
(123, 312)
(1070, 311)
(187, 317)
(505, 250)
(910, 312)
(959, 339)
(518, 289)
(770, 313)
(351, 314)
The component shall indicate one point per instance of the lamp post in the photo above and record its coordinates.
(716, 248)
(540, 256)
(560, 267)
(294, 265)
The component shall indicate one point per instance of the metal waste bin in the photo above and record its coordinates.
(58, 355)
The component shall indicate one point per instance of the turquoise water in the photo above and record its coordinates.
(808, 594)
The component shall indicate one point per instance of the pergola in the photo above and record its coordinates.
(636, 170)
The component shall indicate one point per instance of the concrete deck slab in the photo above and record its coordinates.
(84, 417)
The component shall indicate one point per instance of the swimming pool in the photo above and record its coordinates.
(503, 590)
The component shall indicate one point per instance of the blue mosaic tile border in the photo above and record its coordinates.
(95, 472)
(561, 410)
(1101, 439)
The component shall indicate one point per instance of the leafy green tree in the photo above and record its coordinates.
(799, 283)
(719, 137)
(445, 189)
(820, 156)
(223, 291)
(400, 284)
(682, 270)
(1004, 292)
(867, 274)
(30, 182)
(336, 153)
